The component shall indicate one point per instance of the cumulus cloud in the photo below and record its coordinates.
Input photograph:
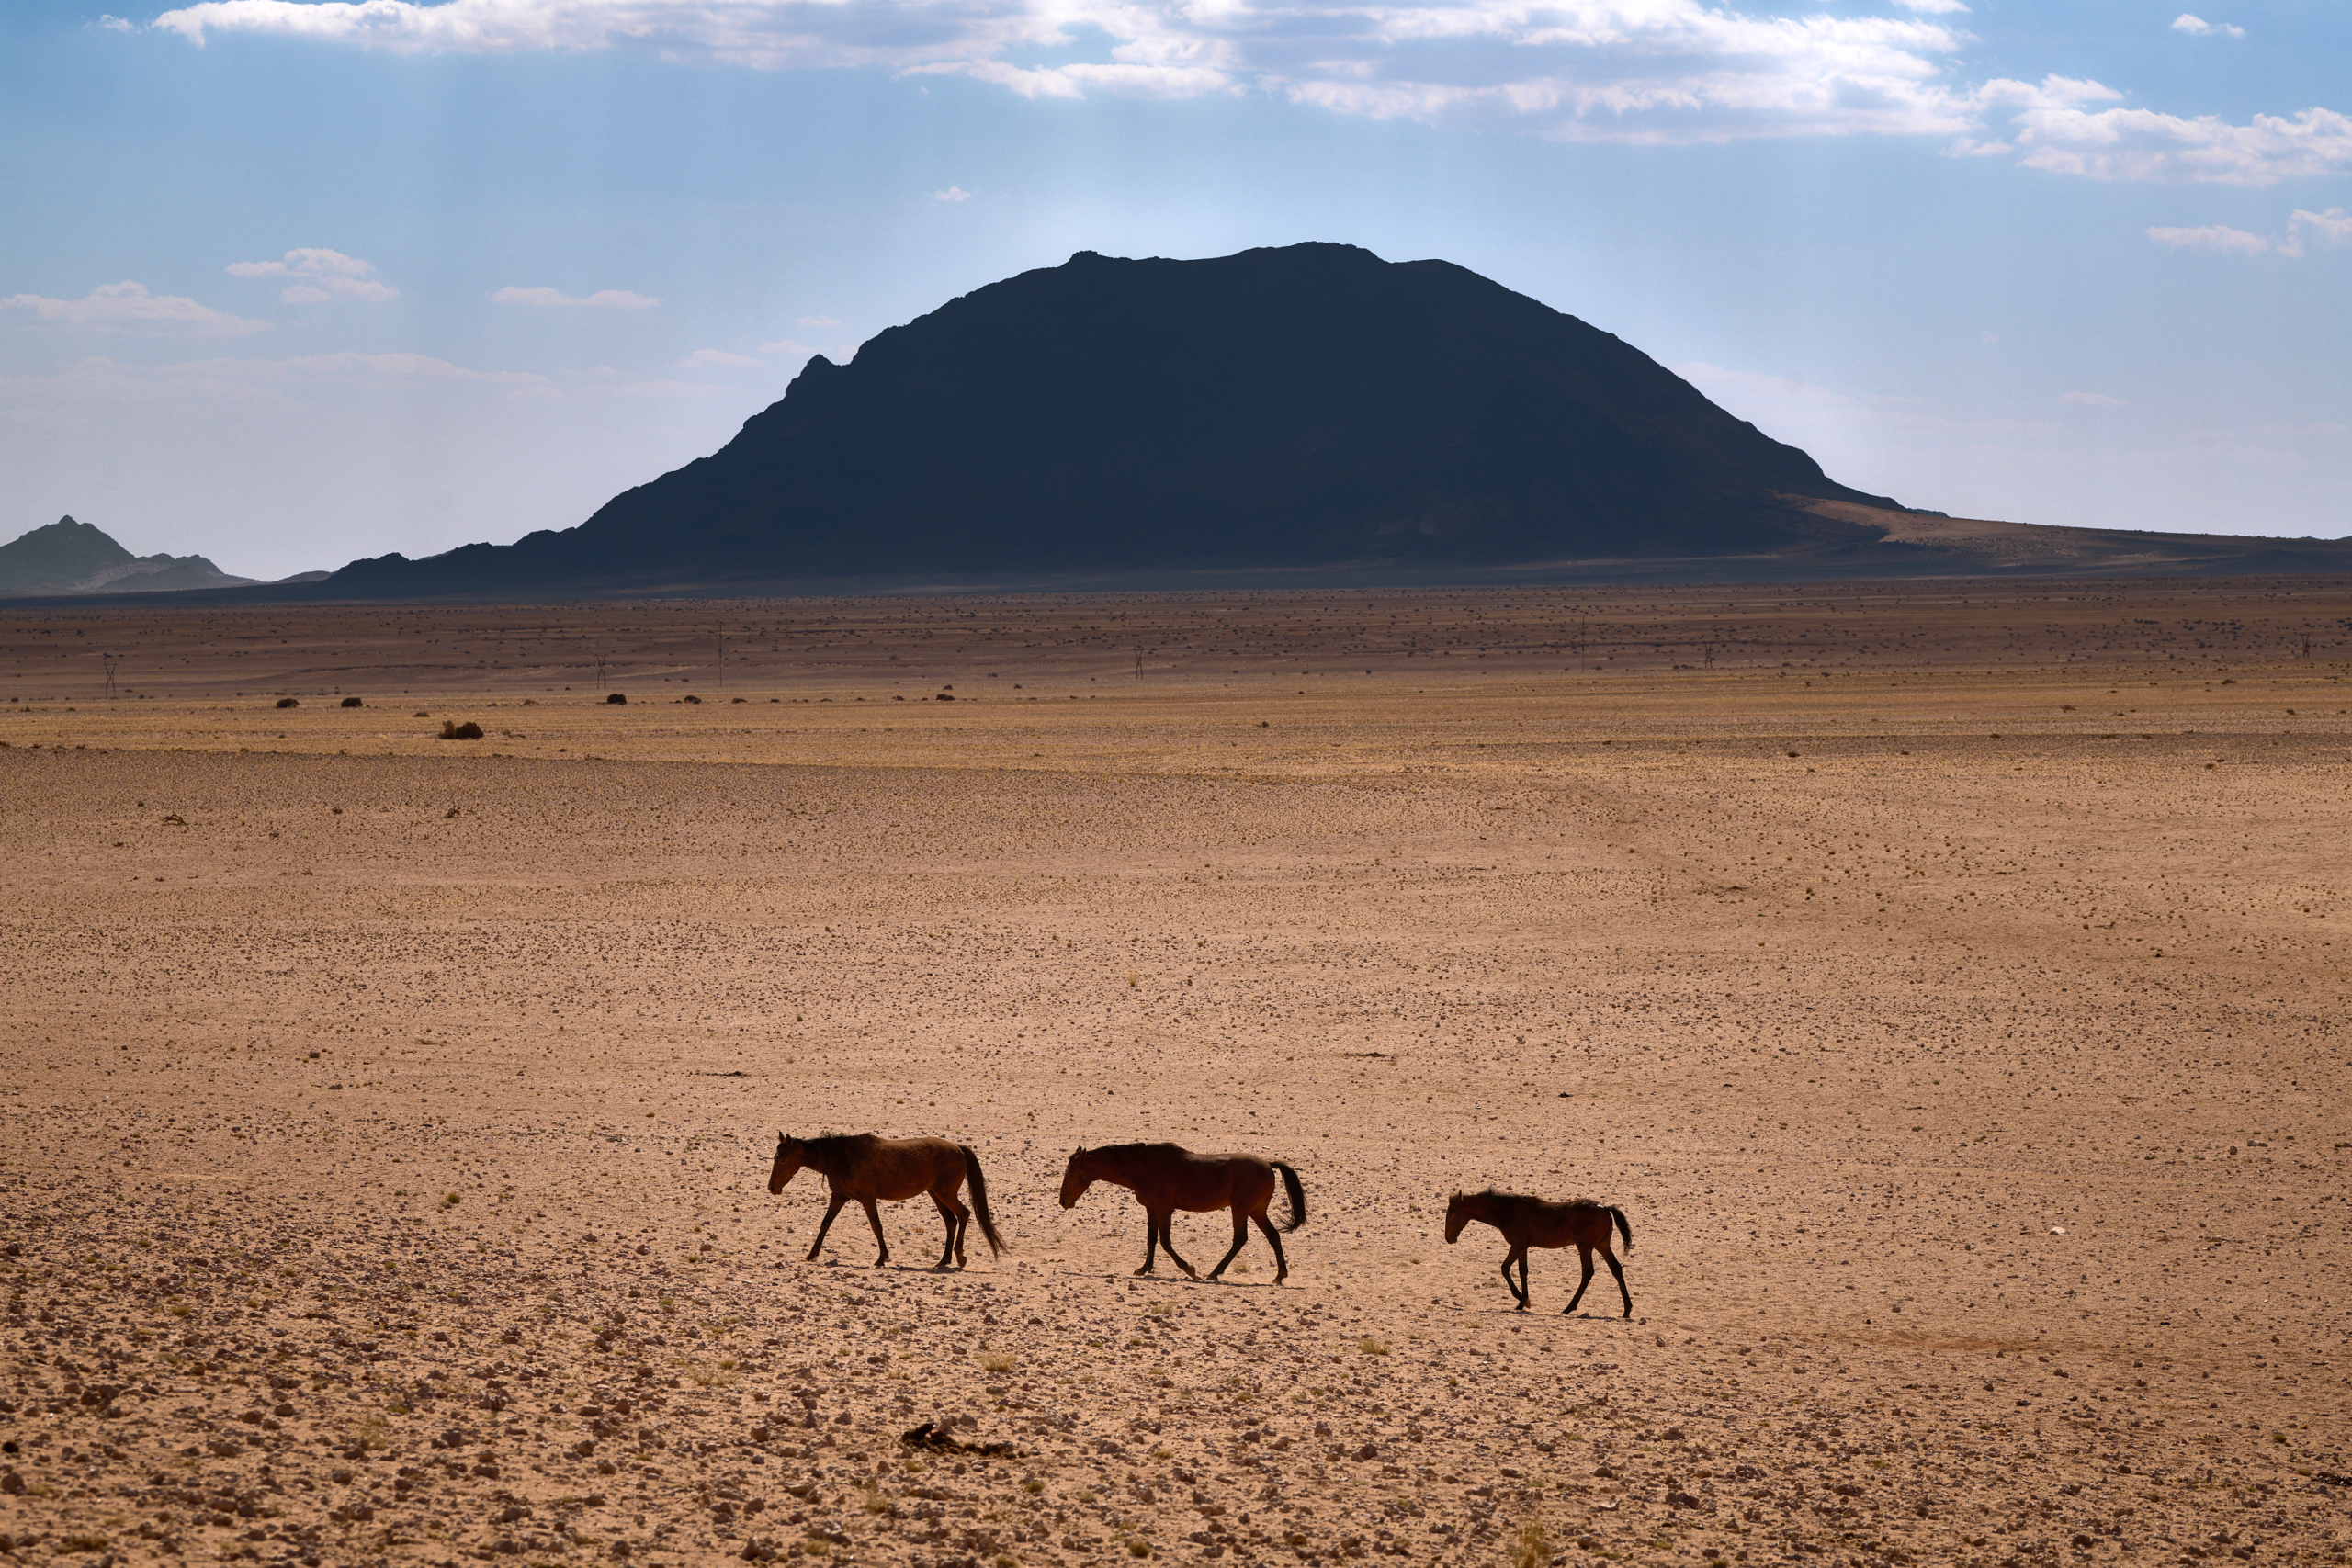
(280, 383)
(953, 193)
(2198, 27)
(603, 299)
(2056, 130)
(129, 308)
(2212, 237)
(1659, 71)
(2322, 230)
(715, 359)
(318, 277)
(2092, 400)
(1641, 72)
(2306, 231)
(112, 24)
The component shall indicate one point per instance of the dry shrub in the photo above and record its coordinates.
(289, 702)
(452, 730)
(350, 703)
(618, 699)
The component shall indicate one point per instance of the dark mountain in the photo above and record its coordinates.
(1308, 407)
(67, 556)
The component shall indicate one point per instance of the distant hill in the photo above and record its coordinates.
(67, 556)
(1311, 415)
(1312, 407)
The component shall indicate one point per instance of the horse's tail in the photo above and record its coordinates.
(1623, 1229)
(980, 1199)
(1297, 1197)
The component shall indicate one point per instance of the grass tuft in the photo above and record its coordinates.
(1533, 1547)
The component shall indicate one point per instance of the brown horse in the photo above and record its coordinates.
(1165, 1178)
(865, 1167)
(1530, 1222)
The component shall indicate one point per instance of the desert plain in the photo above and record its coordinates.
(1947, 980)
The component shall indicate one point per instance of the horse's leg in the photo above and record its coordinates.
(1241, 1239)
(1168, 1240)
(873, 1218)
(1617, 1268)
(946, 1212)
(1152, 1222)
(1274, 1239)
(1585, 1254)
(1518, 1255)
(830, 1210)
(962, 1226)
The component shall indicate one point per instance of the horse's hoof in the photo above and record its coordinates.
(1143, 1272)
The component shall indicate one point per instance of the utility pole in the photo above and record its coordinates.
(108, 659)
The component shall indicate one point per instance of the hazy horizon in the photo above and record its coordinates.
(291, 284)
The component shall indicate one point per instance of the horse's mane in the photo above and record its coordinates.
(1140, 1150)
(1502, 1197)
(835, 1143)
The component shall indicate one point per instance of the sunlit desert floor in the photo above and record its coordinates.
(1951, 993)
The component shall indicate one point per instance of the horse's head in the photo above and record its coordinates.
(1457, 1214)
(1077, 1179)
(789, 1155)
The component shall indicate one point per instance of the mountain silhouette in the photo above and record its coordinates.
(1312, 406)
(70, 557)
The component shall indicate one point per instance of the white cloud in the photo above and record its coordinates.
(715, 359)
(2054, 131)
(2212, 237)
(283, 382)
(603, 299)
(2306, 231)
(112, 24)
(2092, 399)
(129, 308)
(820, 321)
(319, 276)
(953, 193)
(2198, 27)
(1643, 72)
(2324, 229)
(1637, 71)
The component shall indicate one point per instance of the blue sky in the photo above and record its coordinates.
(287, 283)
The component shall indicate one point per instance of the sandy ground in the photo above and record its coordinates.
(1959, 1019)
